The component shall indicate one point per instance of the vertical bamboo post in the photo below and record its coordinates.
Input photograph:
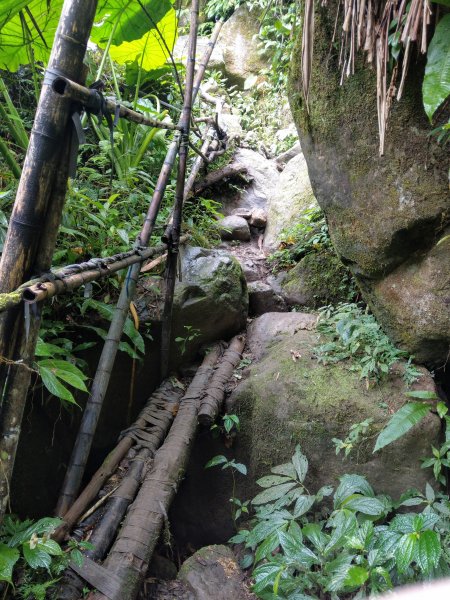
(35, 203)
(83, 443)
(174, 240)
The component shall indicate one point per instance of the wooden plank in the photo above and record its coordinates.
(100, 578)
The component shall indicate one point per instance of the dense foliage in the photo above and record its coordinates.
(347, 542)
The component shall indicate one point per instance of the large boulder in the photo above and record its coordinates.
(210, 300)
(291, 195)
(287, 398)
(180, 52)
(213, 572)
(240, 46)
(290, 398)
(385, 213)
(318, 279)
(234, 227)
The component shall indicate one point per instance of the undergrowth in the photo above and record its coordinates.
(347, 542)
(355, 334)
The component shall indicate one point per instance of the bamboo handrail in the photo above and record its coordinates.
(94, 102)
(91, 413)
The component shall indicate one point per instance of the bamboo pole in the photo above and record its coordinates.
(101, 380)
(94, 102)
(134, 546)
(214, 396)
(38, 196)
(174, 238)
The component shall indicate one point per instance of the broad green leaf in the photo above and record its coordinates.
(8, 558)
(270, 544)
(337, 570)
(442, 409)
(265, 576)
(422, 394)
(54, 386)
(66, 371)
(406, 551)
(273, 493)
(126, 20)
(365, 505)
(429, 551)
(351, 484)
(45, 525)
(403, 523)
(50, 546)
(9, 8)
(77, 557)
(270, 480)
(356, 577)
(287, 469)
(240, 467)
(436, 82)
(296, 552)
(300, 463)
(220, 459)
(35, 557)
(46, 349)
(262, 530)
(313, 532)
(401, 422)
(149, 49)
(21, 42)
(302, 505)
(345, 524)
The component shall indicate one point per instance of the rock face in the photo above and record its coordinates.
(289, 198)
(286, 398)
(318, 279)
(385, 214)
(240, 46)
(234, 228)
(180, 52)
(213, 572)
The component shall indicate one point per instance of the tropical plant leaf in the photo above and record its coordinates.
(436, 82)
(265, 576)
(8, 558)
(287, 469)
(271, 480)
(365, 505)
(296, 552)
(356, 577)
(25, 39)
(66, 371)
(273, 493)
(300, 463)
(270, 544)
(302, 505)
(351, 484)
(150, 50)
(125, 20)
(35, 557)
(405, 551)
(54, 386)
(429, 551)
(9, 8)
(401, 422)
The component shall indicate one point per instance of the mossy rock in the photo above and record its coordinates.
(289, 398)
(318, 279)
(381, 210)
(286, 398)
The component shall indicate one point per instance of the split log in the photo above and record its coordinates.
(133, 549)
(212, 400)
(213, 178)
(149, 430)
